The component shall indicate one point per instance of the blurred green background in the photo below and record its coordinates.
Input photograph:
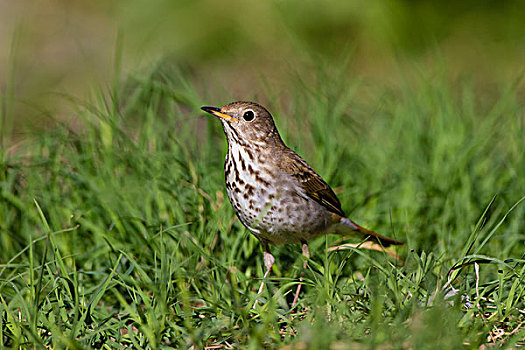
(52, 47)
(114, 226)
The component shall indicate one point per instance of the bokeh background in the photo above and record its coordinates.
(50, 48)
(114, 226)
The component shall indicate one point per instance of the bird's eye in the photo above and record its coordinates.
(248, 116)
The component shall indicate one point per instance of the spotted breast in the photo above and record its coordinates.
(269, 201)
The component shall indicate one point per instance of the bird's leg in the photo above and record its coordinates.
(306, 254)
(268, 262)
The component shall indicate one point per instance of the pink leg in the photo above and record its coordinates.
(306, 253)
(268, 262)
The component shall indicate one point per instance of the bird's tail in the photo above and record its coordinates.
(347, 226)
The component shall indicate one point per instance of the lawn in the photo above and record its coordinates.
(116, 231)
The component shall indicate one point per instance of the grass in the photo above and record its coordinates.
(118, 233)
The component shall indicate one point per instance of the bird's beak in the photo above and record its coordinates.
(217, 112)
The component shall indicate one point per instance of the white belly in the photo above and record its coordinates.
(270, 203)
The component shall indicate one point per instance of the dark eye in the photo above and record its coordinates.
(248, 116)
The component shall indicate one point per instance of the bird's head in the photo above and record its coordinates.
(246, 123)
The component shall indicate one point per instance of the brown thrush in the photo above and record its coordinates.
(274, 192)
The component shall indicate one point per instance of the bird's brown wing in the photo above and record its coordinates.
(313, 185)
(317, 189)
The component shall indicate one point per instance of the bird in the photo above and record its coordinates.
(276, 194)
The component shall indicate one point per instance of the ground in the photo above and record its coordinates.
(117, 233)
